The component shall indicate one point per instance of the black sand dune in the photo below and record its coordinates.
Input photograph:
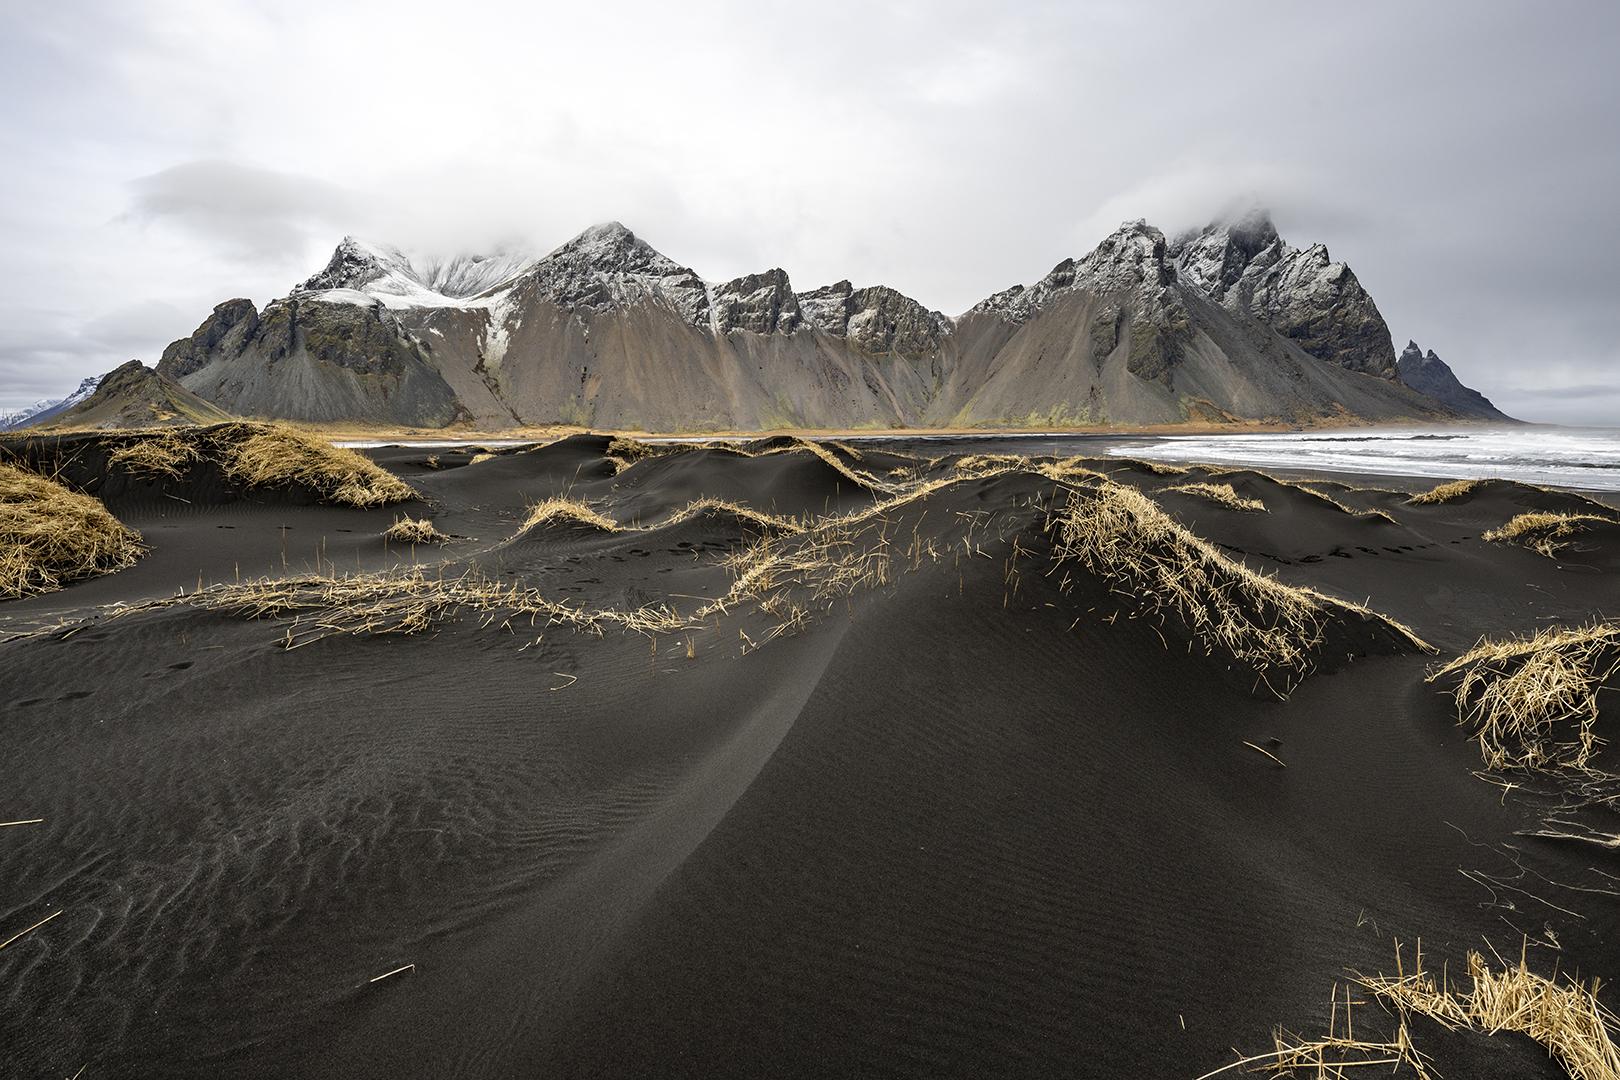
(964, 817)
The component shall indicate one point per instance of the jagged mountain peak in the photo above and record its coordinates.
(876, 319)
(1131, 258)
(1244, 264)
(357, 263)
(611, 244)
(1428, 374)
(609, 266)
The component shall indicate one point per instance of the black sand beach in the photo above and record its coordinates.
(945, 805)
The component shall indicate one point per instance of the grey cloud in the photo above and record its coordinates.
(255, 212)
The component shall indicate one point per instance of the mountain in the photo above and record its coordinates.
(135, 396)
(1244, 266)
(41, 411)
(1229, 323)
(1429, 375)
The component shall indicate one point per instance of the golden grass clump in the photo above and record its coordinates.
(1157, 468)
(987, 463)
(1565, 1017)
(1328, 1057)
(771, 523)
(1443, 493)
(791, 576)
(1121, 534)
(1224, 494)
(979, 466)
(1068, 469)
(482, 455)
(1516, 694)
(569, 511)
(50, 535)
(408, 530)
(273, 455)
(314, 607)
(164, 453)
(1342, 507)
(857, 476)
(1544, 532)
(624, 452)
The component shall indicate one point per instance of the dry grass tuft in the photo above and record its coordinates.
(569, 511)
(316, 606)
(1224, 494)
(1157, 468)
(1269, 627)
(164, 453)
(1544, 532)
(1443, 493)
(1329, 1057)
(50, 535)
(849, 472)
(771, 523)
(979, 466)
(408, 530)
(1566, 1017)
(1517, 693)
(273, 455)
(991, 463)
(793, 576)
(1342, 507)
(624, 452)
(482, 455)
(1068, 469)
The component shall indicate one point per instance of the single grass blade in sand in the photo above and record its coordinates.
(30, 930)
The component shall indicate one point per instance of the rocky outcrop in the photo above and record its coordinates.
(876, 319)
(1431, 376)
(223, 332)
(759, 303)
(1304, 295)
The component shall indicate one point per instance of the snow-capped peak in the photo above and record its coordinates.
(367, 272)
(1131, 258)
(607, 266)
(46, 408)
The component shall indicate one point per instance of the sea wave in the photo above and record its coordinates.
(1551, 456)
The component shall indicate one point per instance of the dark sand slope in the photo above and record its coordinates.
(914, 800)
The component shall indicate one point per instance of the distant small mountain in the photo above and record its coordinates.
(1429, 375)
(136, 396)
(42, 411)
(1224, 324)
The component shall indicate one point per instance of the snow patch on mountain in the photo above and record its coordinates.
(46, 408)
(1132, 259)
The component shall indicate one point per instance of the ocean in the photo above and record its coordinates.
(1552, 456)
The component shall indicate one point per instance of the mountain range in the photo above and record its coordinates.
(1227, 323)
(46, 409)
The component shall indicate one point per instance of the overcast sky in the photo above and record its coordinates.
(1463, 158)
